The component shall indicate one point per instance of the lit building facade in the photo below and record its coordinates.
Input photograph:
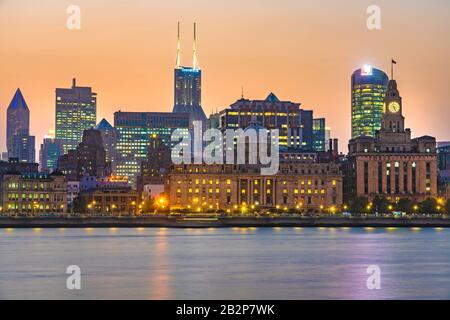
(392, 164)
(115, 201)
(368, 90)
(34, 193)
(302, 183)
(76, 111)
(13, 165)
(294, 124)
(135, 131)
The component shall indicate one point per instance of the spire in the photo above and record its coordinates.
(195, 64)
(18, 102)
(178, 64)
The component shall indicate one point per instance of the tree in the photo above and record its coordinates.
(404, 205)
(358, 205)
(79, 205)
(381, 204)
(447, 207)
(429, 206)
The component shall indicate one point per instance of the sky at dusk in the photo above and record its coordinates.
(303, 51)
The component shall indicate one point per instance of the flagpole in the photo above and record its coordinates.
(392, 69)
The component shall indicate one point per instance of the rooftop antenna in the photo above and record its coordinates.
(242, 92)
(178, 63)
(195, 64)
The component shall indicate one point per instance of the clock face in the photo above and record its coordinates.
(394, 107)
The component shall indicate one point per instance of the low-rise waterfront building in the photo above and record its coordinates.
(110, 201)
(33, 193)
(13, 164)
(302, 183)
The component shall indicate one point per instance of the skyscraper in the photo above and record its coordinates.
(188, 86)
(17, 121)
(23, 147)
(76, 110)
(319, 143)
(369, 87)
(135, 131)
(109, 137)
(51, 150)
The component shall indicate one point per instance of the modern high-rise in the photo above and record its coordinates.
(188, 86)
(135, 131)
(51, 150)
(19, 143)
(319, 139)
(295, 125)
(368, 90)
(76, 110)
(23, 147)
(109, 137)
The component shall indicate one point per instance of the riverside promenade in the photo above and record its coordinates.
(222, 222)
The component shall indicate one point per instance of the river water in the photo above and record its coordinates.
(238, 263)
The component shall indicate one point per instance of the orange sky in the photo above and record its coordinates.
(303, 51)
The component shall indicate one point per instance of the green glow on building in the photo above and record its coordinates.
(368, 91)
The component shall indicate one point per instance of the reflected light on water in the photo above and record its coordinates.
(160, 280)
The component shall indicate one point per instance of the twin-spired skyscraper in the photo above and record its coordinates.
(188, 86)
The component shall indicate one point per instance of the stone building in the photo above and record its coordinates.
(302, 183)
(33, 193)
(392, 164)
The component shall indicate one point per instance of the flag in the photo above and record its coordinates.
(394, 62)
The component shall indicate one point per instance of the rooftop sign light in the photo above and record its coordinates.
(366, 70)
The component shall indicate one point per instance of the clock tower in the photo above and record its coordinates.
(393, 119)
(393, 136)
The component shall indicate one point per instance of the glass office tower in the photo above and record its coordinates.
(369, 87)
(76, 111)
(135, 131)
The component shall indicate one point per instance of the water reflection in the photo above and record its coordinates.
(238, 263)
(159, 286)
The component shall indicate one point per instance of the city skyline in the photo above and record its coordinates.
(296, 75)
